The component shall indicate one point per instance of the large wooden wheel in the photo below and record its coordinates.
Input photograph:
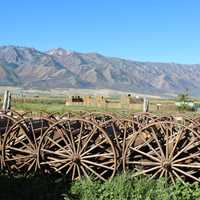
(164, 149)
(77, 148)
(21, 143)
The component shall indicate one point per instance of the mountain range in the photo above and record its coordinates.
(59, 68)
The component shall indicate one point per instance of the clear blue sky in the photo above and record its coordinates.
(146, 30)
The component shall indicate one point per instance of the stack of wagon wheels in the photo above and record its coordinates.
(164, 149)
(99, 144)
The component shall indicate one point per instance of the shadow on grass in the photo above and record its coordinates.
(33, 188)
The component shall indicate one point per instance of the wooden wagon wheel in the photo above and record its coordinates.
(5, 123)
(21, 143)
(164, 149)
(77, 148)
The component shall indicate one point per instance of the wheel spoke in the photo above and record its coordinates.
(84, 172)
(105, 155)
(143, 163)
(79, 138)
(187, 157)
(54, 153)
(65, 150)
(179, 178)
(150, 146)
(186, 174)
(54, 161)
(146, 171)
(156, 138)
(182, 150)
(90, 169)
(63, 166)
(197, 166)
(88, 139)
(19, 150)
(145, 154)
(94, 147)
(97, 164)
(18, 158)
(155, 174)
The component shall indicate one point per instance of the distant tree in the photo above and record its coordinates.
(183, 97)
(184, 102)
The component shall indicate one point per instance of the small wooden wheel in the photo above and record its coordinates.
(20, 145)
(77, 148)
(164, 149)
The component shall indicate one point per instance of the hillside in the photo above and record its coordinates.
(59, 68)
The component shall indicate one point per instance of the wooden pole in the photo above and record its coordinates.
(6, 101)
(145, 105)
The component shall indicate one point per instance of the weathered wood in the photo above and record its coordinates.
(6, 101)
(145, 105)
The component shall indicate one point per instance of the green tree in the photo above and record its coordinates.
(183, 97)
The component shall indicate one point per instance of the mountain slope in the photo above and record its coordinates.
(59, 68)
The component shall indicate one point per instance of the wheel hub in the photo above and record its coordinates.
(166, 165)
(76, 158)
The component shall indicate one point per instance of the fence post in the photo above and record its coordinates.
(145, 105)
(6, 101)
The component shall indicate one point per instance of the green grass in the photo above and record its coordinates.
(57, 105)
(122, 187)
(60, 107)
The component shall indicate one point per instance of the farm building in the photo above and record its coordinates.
(127, 102)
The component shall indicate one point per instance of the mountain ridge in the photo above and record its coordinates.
(60, 68)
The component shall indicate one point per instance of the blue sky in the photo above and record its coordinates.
(145, 30)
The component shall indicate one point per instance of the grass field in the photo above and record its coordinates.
(57, 105)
